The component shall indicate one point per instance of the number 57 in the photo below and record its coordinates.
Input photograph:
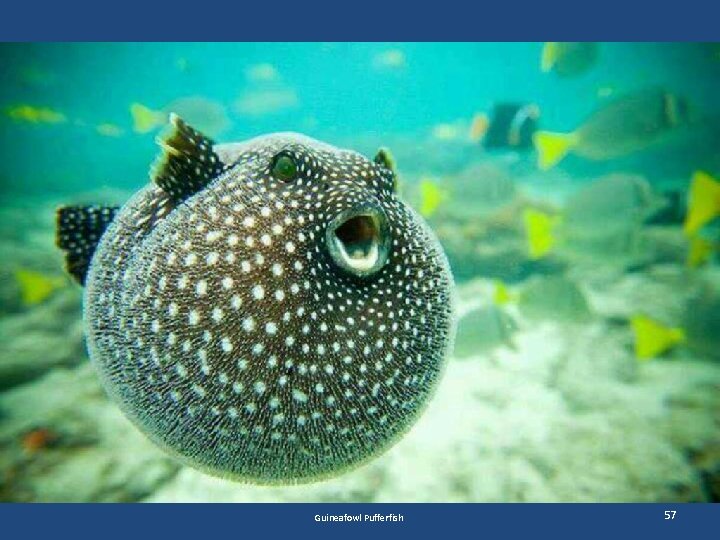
(670, 514)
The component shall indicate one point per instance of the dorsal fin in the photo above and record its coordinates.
(78, 231)
(187, 162)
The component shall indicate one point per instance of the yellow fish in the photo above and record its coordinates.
(703, 202)
(445, 132)
(553, 147)
(35, 115)
(568, 59)
(552, 297)
(624, 125)
(540, 232)
(699, 251)
(146, 119)
(479, 126)
(109, 130)
(431, 196)
(35, 287)
(502, 295)
(653, 338)
(548, 55)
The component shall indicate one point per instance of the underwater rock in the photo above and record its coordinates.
(707, 460)
(33, 354)
(629, 463)
(662, 291)
(608, 363)
(10, 293)
(701, 323)
(96, 454)
(44, 336)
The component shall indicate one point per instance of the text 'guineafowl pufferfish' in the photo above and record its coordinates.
(267, 311)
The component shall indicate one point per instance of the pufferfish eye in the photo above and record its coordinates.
(284, 167)
(358, 240)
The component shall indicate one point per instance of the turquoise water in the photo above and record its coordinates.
(335, 92)
(548, 395)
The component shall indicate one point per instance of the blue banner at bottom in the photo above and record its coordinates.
(264, 521)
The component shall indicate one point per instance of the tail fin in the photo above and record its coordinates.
(502, 295)
(35, 287)
(548, 57)
(145, 119)
(703, 203)
(539, 229)
(699, 251)
(653, 338)
(552, 147)
(78, 231)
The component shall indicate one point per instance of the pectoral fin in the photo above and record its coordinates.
(78, 231)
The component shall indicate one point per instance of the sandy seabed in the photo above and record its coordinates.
(561, 411)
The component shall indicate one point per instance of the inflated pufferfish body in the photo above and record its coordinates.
(267, 311)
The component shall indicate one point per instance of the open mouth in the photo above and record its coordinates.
(358, 241)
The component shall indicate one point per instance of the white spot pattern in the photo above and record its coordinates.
(228, 331)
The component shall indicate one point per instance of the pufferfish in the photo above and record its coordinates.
(266, 311)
